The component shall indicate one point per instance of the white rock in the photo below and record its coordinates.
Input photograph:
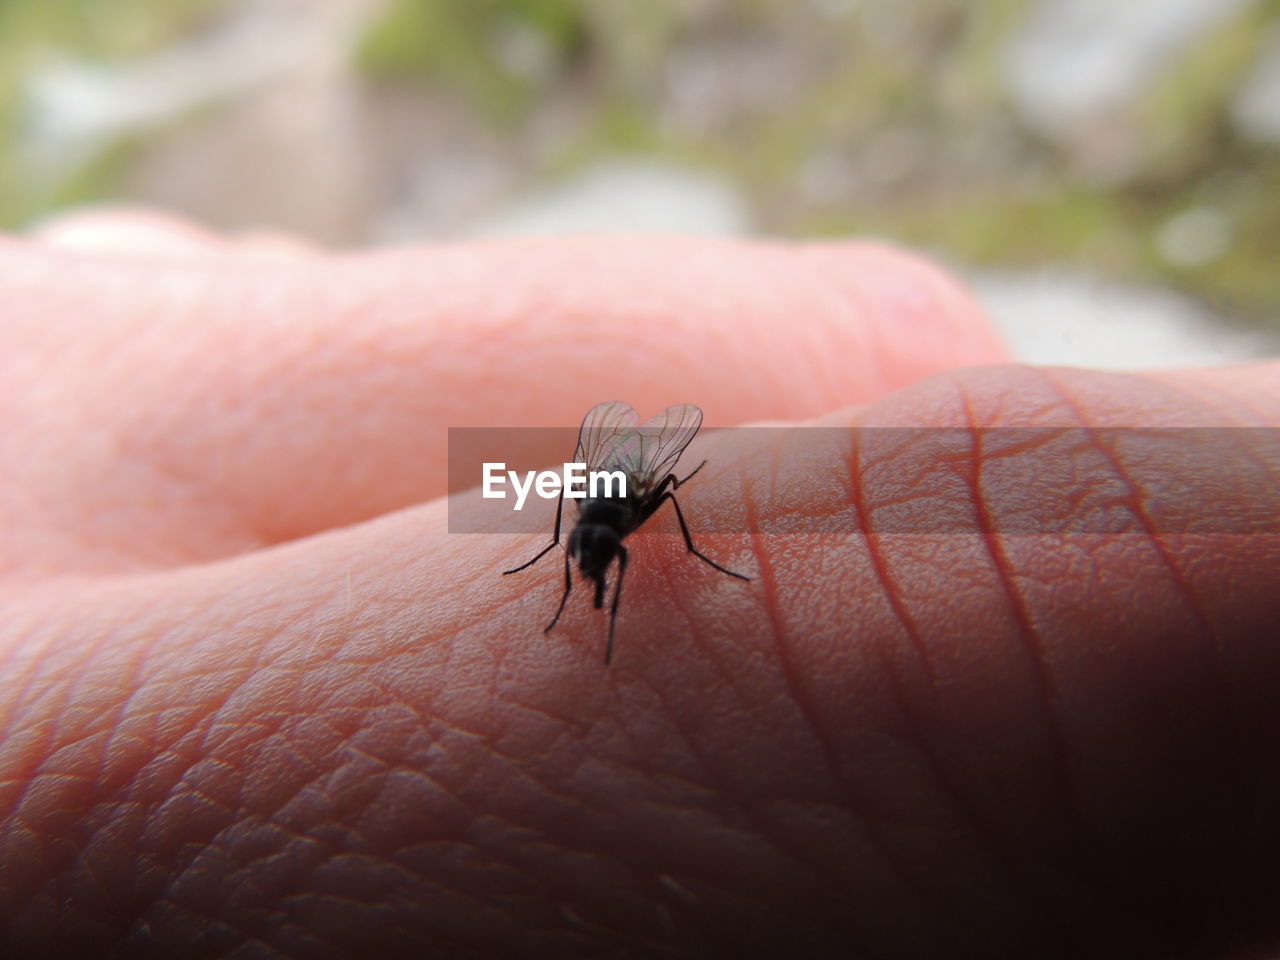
(1194, 237)
(1069, 319)
(1255, 111)
(1075, 59)
(626, 196)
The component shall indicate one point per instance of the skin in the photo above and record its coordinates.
(256, 700)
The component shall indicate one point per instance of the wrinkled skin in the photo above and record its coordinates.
(256, 699)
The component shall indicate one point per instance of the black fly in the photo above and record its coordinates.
(612, 438)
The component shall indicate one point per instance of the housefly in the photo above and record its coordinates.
(613, 439)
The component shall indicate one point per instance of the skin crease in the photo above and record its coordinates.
(254, 697)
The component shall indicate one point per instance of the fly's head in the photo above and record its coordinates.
(593, 547)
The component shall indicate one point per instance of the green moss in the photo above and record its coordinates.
(454, 42)
(90, 29)
(1183, 118)
(1245, 278)
(1021, 230)
(101, 28)
(100, 178)
(977, 62)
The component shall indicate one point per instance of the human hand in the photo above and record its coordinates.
(256, 698)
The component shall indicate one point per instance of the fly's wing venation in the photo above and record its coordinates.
(604, 428)
(649, 452)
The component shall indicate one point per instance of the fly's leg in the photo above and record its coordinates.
(688, 540)
(674, 482)
(677, 484)
(568, 585)
(555, 541)
(613, 609)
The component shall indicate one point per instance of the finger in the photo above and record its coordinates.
(1005, 741)
(239, 407)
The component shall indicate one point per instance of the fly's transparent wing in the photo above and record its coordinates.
(649, 452)
(605, 426)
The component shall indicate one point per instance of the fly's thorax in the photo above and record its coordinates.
(619, 513)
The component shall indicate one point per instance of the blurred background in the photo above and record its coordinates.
(1105, 172)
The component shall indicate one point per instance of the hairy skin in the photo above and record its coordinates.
(256, 700)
